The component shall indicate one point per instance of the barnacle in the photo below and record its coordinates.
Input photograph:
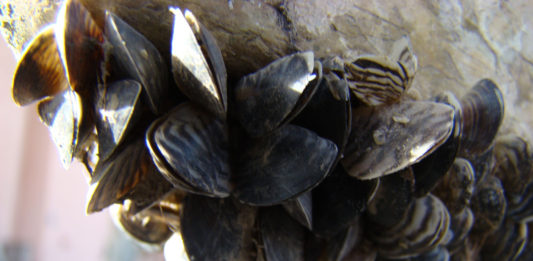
(306, 158)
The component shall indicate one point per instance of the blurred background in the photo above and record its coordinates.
(42, 205)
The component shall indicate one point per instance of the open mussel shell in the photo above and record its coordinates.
(514, 166)
(283, 237)
(130, 174)
(39, 73)
(116, 106)
(489, 205)
(139, 58)
(377, 80)
(328, 113)
(455, 189)
(506, 243)
(80, 43)
(190, 147)
(483, 111)
(338, 202)
(191, 68)
(301, 209)
(62, 114)
(386, 139)
(217, 229)
(282, 165)
(424, 226)
(274, 95)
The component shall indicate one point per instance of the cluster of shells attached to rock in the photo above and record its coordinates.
(304, 159)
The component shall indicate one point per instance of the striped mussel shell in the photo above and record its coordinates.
(388, 138)
(506, 243)
(489, 205)
(377, 80)
(483, 111)
(460, 225)
(455, 189)
(424, 226)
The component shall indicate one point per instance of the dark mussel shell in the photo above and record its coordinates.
(489, 205)
(343, 242)
(424, 226)
(506, 243)
(460, 226)
(118, 109)
(514, 166)
(338, 202)
(437, 254)
(198, 67)
(217, 229)
(283, 238)
(456, 188)
(190, 147)
(328, 113)
(282, 165)
(39, 73)
(377, 80)
(483, 111)
(386, 139)
(522, 211)
(62, 114)
(274, 95)
(131, 174)
(301, 209)
(140, 60)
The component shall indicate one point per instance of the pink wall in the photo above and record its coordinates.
(42, 205)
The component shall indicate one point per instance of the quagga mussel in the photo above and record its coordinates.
(306, 159)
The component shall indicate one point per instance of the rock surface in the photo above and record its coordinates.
(457, 42)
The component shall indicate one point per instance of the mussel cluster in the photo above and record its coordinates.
(305, 159)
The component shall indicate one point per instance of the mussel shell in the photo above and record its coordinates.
(514, 166)
(460, 225)
(139, 58)
(342, 244)
(483, 111)
(489, 205)
(402, 51)
(377, 80)
(128, 173)
(191, 70)
(39, 73)
(62, 114)
(190, 147)
(338, 202)
(267, 99)
(523, 210)
(143, 226)
(80, 43)
(506, 243)
(116, 106)
(437, 254)
(282, 165)
(483, 164)
(386, 139)
(328, 113)
(216, 229)
(301, 209)
(527, 252)
(456, 188)
(424, 227)
(283, 237)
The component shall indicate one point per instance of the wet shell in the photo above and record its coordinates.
(523, 210)
(191, 67)
(341, 244)
(483, 111)
(272, 96)
(460, 226)
(301, 209)
(506, 243)
(140, 60)
(489, 205)
(190, 147)
(389, 138)
(39, 73)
